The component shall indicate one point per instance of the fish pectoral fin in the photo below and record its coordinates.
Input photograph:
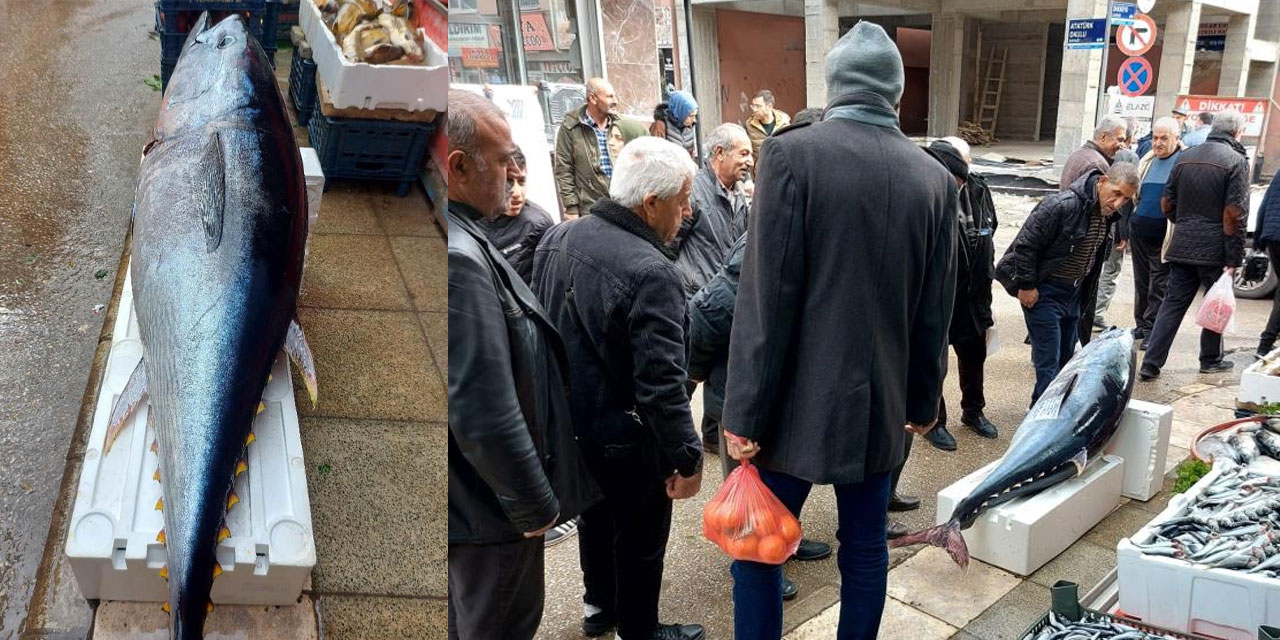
(134, 391)
(295, 344)
(211, 192)
(1080, 460)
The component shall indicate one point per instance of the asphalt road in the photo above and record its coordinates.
(74, 116)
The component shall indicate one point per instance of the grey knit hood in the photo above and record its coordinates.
(865, 59)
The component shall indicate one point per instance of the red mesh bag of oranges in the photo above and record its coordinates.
(748, 522)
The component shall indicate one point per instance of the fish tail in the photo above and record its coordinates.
(944, 536)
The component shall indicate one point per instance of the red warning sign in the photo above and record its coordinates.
(1137, 38)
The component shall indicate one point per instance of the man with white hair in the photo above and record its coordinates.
(719, 207)
(1147, 225)
(1207, 199)
(609, 283)
(1095, 153)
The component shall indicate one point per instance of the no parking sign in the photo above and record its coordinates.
(1135, 77)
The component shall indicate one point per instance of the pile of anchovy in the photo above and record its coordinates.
(1102, 629)
(1234, 524)
(1245, 443)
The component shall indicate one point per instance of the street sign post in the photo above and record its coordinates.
(1138, 38)
(1086, 34)
(1134, 77)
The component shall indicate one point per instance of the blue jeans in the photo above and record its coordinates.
(863, 560)
(1052, 326)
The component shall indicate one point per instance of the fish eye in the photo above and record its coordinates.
(225, 42)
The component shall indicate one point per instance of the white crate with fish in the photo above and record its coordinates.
(368, 57)
(1260, 384)
(113, 543)
(1209, 562)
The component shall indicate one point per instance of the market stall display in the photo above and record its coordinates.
(1259, 385)
(1067, 619)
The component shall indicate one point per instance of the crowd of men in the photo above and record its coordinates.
(813, 302)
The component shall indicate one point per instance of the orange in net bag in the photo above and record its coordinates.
(748, 522)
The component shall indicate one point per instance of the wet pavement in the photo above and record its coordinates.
(74, 112)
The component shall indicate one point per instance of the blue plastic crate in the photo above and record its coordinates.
(302, 87)
(369, 149)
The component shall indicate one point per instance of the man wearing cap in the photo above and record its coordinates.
(838, 344)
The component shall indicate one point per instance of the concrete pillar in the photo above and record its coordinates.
(946, 54)
(1179, 55)
(1078, 101)
(1235, 56)
(821, 30)
(706, 66)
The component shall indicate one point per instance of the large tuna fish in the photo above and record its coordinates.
(1071, 422)
(220, 219)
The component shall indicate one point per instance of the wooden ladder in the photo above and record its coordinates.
(992, 88)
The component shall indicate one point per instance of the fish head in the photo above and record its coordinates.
(214, 80)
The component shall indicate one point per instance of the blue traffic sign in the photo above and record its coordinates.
(1087, 34)
(1135, 77)
(1122, 13)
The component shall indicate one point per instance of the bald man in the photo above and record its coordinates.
(586, 147)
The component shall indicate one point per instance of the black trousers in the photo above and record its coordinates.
(897, 473)
(622, 540)
(1184, 281)
(1268, 338)
(495, 590)
(971, 356)
(1150, 277)
(710, 425)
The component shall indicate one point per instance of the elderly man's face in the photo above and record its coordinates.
(734, 163)
(1163, 143)
(665, 214)
(603, 99)
(1113, 195)
(496, 172)
(1112, 142)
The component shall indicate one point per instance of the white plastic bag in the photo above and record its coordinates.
(1218, 309)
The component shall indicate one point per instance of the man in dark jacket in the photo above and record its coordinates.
(839, 335)
(1267, 238)
(609, 284)
(971, 317)
(514, 467)
(719, 207)
(516, 233)
(1207, 199)
(584, 157)
(1056, 256)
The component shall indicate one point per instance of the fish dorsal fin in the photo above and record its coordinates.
(1080, 460)
(211, 196)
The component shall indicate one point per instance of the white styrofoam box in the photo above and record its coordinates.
(1257, 387)
(1181, 596)
(314, 174)
(112, 545)
(1142, 441)
(1024, 534)
(375, 86)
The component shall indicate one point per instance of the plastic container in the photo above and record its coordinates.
(111, 544)
(1142, 441)
(1258, 388)
(1173, 593)
(370, 149)
(302, 87)
(1066, 604)
(1024, 534)
(367, 86)
(174, 19)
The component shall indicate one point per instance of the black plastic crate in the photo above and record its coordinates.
(166, 71)
(211, 5)
(302, 87)
(173, 24)
(1065, 603)
(369, 149)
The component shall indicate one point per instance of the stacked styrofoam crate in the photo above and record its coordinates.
(111, 544)
(369, 86)
(1257, 387)
(1183, 596)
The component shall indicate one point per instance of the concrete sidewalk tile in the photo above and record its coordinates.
(347, 208)
(436, 326)
(1184, 431)
(809, 604)
(899, 621)
(60, 609)
(371, 364)
(147, 621)
(1175, 456)
(1158, 502)
(351, 618)
(1083, 563)
(1012, 614)
(964, 635)
(353, 272)
(378, 502)
(818, 627)
(1194, 388)
(1122, 523)
(931, 581)
(424, 264)
(1192, 410)
(407, 216)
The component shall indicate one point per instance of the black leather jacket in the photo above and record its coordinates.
(513, 459)
(1050, 234)
(612, 290)
(1207, 179)
(710, 323)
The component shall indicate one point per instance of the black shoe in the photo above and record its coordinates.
(982, 426)
(1099, 327)
(896, 530)
(1221, 366)
(789, 589)
(941, 438)
(1263, 349)
(677, 632)
(561, 533)
(1142, 346)
(899, 502)
(811, 550)
(598, 624)
(1148, 372)
(1138, 333)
